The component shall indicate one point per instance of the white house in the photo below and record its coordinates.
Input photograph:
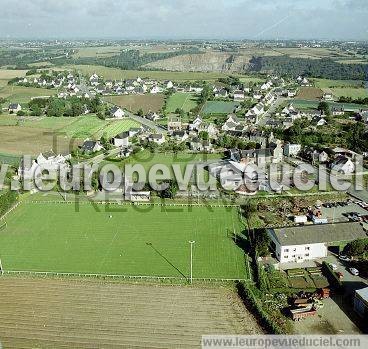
(121, 140)
(169, 84)
(310, 242)
(292, 149)
(14, 108)
(155, 89)
(156, 138)
(239, 95)
(231, 123)
(117, 113)
(193, 126)
(343, 165)
(152, 116)
(90, 146)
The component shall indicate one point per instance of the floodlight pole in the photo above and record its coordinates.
(191, 260)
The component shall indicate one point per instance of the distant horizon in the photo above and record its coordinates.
(183, 39)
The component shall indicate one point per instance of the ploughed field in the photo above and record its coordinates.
(55, 313)
(122, 240)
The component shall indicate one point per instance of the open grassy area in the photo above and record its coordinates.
(143, 240)
(310, 104)
(114, 73)
(115, 127)
(219, 107)
(80, 127)
(185, 101)
(147, 102)
(22, 95)
(326, 83)
(352, 92)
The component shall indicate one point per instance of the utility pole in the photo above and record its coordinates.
(191, 260)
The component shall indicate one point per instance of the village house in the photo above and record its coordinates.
(180, 136)
(117, 113)
(156, 138)
(292, 149)
(14, 108)
(199, 145)
(152, 116)
(238, 95)
(90, 146)
(338, 111)
(210, 128)
(121, 140)
(311, 242)
(327, 96)
(174, 124)
(343, 165)
(231, 123)
(194, 126)
(221, 93)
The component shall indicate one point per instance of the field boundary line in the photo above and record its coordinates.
(87, 202)
(115, 276)
(10, 210)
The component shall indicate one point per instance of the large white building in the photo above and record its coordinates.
(303, 243)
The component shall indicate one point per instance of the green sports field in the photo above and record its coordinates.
(151, 241)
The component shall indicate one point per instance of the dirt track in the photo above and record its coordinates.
(50, 313)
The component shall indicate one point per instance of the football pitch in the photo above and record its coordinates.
(122, 240)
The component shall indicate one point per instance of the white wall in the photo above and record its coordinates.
(299, 253)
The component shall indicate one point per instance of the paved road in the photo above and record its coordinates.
(271, 110)
(146, 122)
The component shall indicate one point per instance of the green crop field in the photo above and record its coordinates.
(352, 92)
(22, 95)
(219, 107)
(145, 240)
(113, 128)
(308, 104)
(185, 101)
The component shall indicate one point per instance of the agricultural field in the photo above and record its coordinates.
(310, 104)
(116, 314)
(8, 120)
(185, 101)
(22, 95)
(348, 92)
(115, 73)
(219, 107)
(18, 140)
(147, 159)
(115, 127)
(124, 240)
(326, 83)
(97, 51)
(147, 102)
(310, 93)
(6, 74)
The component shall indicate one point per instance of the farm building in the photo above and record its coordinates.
(361, 302)
(116, 112)
(14, 108)
(302, 243)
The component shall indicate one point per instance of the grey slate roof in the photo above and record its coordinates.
(320, 233)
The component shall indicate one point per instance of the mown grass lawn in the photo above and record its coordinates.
(141, 240)
(185, 101)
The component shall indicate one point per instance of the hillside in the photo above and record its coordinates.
(209, 61)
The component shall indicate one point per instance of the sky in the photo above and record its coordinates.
(185, 19)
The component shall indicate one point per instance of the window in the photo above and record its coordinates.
(307, 254)
(286, 256)
(307, 248)
(286, 250)
(293, 256)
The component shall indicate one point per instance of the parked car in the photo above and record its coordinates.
(354, 271)
(344, 258)
(333, 266)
